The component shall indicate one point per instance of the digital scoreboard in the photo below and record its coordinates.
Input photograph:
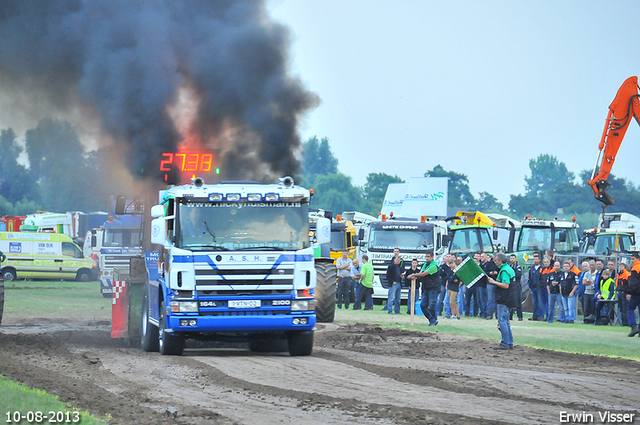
(179, 167)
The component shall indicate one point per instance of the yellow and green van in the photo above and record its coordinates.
(43, 256)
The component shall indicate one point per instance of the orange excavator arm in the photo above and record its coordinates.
(625, 106)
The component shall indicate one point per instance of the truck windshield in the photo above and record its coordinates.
(406, 240)
(243, 226)
(534, 239)
(471, 240)
(122, 238)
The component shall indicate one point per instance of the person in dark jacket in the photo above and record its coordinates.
(535, 286)
(517, 289)
(394, 279)
(413, 270)
(490, 269)
(632, 292)
(553, 287)
(568, 288)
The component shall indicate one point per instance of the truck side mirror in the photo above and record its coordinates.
(562, 237)
(495, 234)
(157, 211)
(323, 231)
(361, 234)
(446, 239)
(121, 202)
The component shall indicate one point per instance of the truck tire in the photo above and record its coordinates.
(301, 343)
(8, 274)
(326, 292)
(83, 275)
(149, 339)
(1, 299)
(168, 345)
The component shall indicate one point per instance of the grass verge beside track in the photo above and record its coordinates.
(36, 406)
(56, 300)
(611, 341)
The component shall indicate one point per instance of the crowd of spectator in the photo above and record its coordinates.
(558, 288)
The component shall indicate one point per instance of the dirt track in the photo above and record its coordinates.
(357, 374)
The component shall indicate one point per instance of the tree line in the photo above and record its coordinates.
(550, 189)
(61, 176)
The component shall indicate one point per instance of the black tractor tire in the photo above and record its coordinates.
(326, 291)
(1, 299)
(301, 343)
(525, 297)
(168, 345)
(149, 338)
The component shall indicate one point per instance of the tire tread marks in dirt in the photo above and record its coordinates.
(326, 291)
(80, 381)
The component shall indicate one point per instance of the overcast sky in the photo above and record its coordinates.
(480, 87)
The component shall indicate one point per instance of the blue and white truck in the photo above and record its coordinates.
(235, 263)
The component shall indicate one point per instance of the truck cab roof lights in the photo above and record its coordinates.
(272, 197)
(423, 219)
(233, 197)
(216, 197)
(384, 217)
(254, 197)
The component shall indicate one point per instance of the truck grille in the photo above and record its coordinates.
(244, 282)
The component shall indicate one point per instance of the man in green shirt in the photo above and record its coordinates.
(504, 299)
(430, 287)
(366, 284)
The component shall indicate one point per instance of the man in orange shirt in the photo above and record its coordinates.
(573, 301)
(632, 289)
(621, 281)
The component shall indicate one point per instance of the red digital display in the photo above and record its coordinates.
(186, 161)
(178, 167)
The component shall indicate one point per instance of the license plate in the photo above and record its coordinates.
(244, 303)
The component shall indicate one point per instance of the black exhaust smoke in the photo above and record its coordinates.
(126, 61)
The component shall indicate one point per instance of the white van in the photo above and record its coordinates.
(43, 256)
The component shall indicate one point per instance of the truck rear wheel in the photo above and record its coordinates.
(326, 291)
(169, 345)
(1, 299)
(301, 343)
(149, 339)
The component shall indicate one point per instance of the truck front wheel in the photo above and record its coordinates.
(301, 343)
(150, 337)
(169, 345)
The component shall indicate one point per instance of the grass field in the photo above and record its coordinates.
(56, 300)
(18, 401)
(609, 341)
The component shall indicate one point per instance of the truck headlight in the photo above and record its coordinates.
(300, 305)
(184, 306)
